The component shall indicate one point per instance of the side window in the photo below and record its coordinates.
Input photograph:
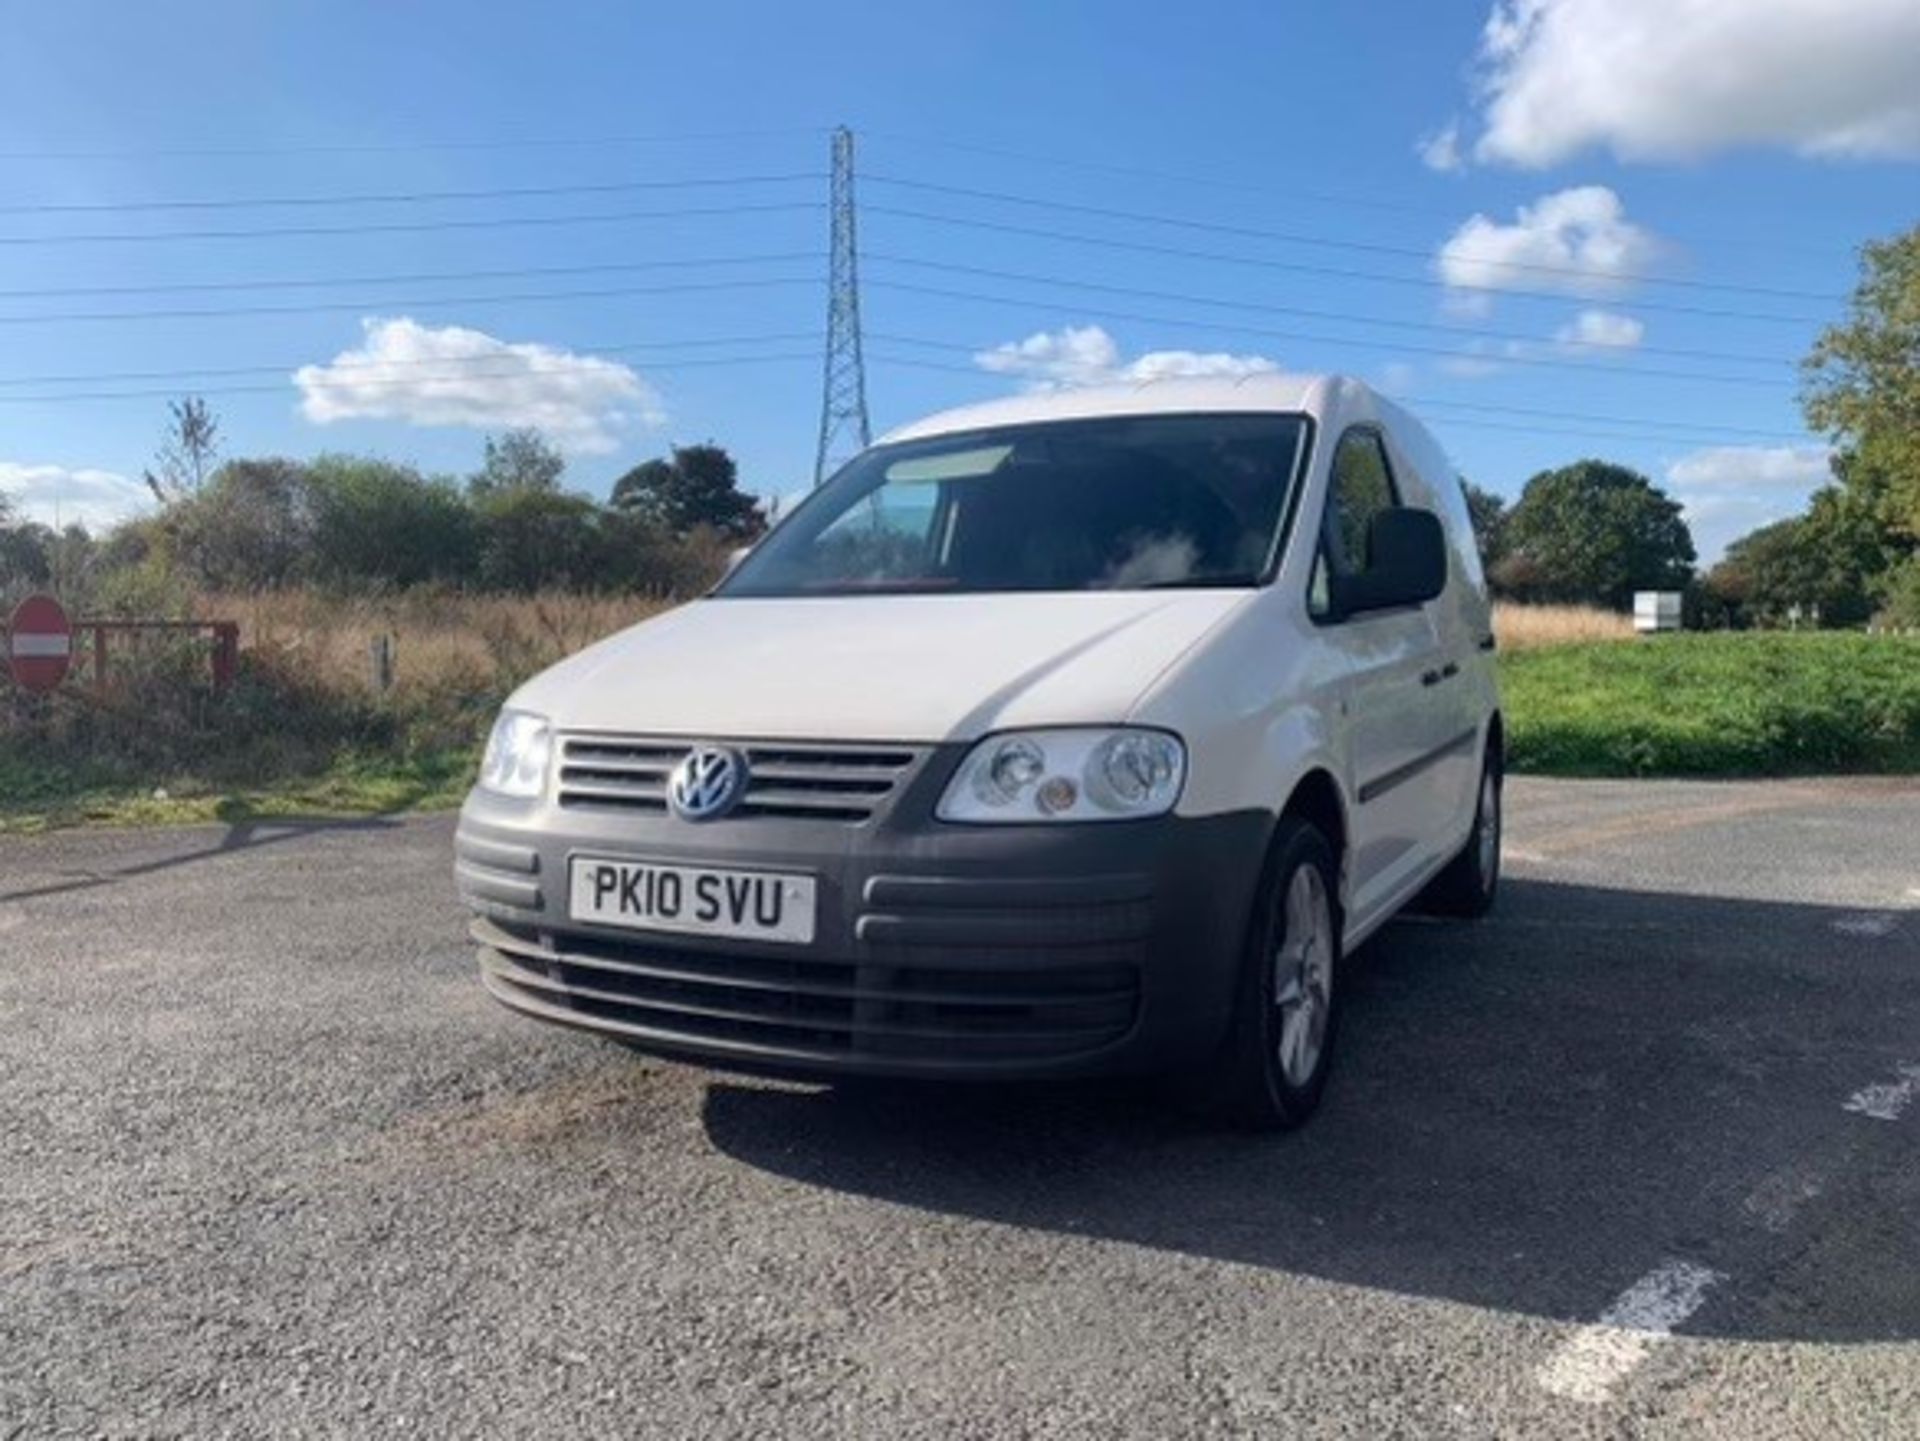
(1360, 487)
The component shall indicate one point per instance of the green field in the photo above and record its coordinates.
(1747, 704)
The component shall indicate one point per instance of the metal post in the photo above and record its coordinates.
(226, 653)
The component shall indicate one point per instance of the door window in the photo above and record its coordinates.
(1360, 487)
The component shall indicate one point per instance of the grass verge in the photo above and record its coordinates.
(1747, 704)
(41, 796)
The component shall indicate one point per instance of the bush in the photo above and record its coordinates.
(380, 524)
(1900, 596)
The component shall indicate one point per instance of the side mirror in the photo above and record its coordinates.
(1406, 564)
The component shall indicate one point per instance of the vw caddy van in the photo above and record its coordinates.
(1066, 734)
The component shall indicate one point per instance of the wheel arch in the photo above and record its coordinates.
(1317, 799)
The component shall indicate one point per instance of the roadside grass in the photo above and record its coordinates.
(1721, 704)
(36, 795)
(306, 730)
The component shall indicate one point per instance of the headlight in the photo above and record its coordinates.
(517, 753)
(1067, 775)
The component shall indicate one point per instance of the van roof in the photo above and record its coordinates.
(1266, 391)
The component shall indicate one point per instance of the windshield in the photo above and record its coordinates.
(1117, 503)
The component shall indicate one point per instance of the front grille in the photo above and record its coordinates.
(794, 780)
(773, 1006)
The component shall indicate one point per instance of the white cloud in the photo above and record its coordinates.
(1576, 241)
(1085, 355)
(1680, 79)
(1593, 335)
(1441, 150)
(1728, 490)
(56, 495)
(1603, 328)
(1765, 467)
(449, 375)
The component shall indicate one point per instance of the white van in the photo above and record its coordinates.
(1065, 734)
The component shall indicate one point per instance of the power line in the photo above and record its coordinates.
(412, 146)
(1637, 372)
(412, 278)
(1743, 431)
(1135, 172)
(232, 390)
(1288, 193)
(1299, 238)
(449, 367)
(408, 303)
(1556, 432)
(1424, 402)
(1334, 315)
(401, 197)
(1424, 282)
(407, 227)
(189, 376)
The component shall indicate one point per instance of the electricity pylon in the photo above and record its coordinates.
(843, 404)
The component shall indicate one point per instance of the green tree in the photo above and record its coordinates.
(1488, 512)
(378, 523)
(24, 560)
(530, 539)
(249, 528)
(519, 460)
(698, 485)
(1594, 533)
(1825, 564)
(1862, 379)
(1900, 594)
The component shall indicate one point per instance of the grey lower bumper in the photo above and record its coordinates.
(940, 950)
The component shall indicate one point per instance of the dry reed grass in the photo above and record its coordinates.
(442, 641)
(1530, 627)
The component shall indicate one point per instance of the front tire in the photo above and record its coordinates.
(1470, 882)
(1274, 1067)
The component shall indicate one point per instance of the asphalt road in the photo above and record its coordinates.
(272, 1164)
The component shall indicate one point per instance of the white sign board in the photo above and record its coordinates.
(1656, 610)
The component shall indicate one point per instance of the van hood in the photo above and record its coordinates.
(894, 667)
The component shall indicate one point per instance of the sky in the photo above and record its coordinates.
(1557, 228)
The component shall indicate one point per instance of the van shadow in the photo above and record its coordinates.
(1529, 1113)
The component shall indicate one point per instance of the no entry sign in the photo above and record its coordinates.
(39, 643)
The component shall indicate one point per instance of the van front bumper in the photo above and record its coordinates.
(939, 950)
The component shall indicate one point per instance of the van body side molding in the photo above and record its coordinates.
(1400, 775)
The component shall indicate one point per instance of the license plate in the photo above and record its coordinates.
(693, 900)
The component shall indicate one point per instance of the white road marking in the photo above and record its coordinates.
(1885, 1100)
(1597, 1358)
(1523, 855)
(1868, 923)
